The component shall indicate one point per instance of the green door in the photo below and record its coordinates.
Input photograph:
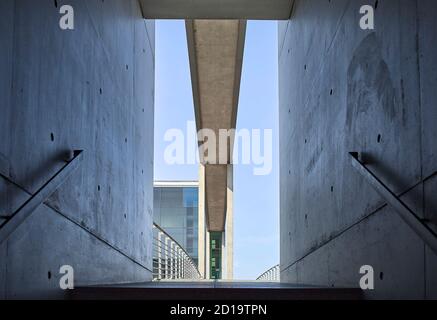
(215, 255)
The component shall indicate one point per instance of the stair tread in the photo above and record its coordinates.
(209, 290)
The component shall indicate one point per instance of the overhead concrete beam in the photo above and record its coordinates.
(217, 9)
(216, 56)
(216, 196)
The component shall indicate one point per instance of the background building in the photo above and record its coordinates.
(178, 211)
(175, 207)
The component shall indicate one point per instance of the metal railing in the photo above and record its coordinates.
(412, 219)
(170, 260)
(10, 223)
(273, 274)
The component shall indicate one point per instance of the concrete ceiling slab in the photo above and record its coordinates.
(217, 9)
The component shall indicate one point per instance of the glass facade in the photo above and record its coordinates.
(176, 211)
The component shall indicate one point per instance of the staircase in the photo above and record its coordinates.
(213, 290)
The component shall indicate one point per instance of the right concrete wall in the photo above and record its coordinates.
(344, 89)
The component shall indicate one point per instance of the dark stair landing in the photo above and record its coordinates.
(213, 290)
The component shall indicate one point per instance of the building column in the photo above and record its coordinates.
(202, 241)
(228, 236)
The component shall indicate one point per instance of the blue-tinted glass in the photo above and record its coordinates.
(190, 197)
(176, 211)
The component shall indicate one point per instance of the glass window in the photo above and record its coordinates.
(176, 211)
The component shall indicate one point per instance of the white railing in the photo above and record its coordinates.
(273, 274)
(170, 260)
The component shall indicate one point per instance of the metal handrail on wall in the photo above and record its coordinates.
(170, 260)
(412, 219)
(273, 274)
(11, 223)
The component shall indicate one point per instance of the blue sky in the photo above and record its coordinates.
(256, 198)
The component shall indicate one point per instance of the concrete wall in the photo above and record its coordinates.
(344, 89)
(92, 89)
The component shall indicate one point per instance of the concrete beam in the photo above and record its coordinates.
(216, 56)
(218, 9)
(216, 196)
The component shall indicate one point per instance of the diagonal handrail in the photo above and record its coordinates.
(171, 260)
(271, 274)
(413, 220)
(28, 207)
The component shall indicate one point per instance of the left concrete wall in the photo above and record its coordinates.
(91, 89)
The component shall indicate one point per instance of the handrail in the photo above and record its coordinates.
(413, 220)
(170, 237)
(170, 260)
(271, 274)
(29, 206)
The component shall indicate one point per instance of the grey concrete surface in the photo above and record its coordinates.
(46, 241)
(3, 273)
(217, 9)
(216, 56)
(343, 89)
(215, 290)
(427, 39)
(92, 89)
(383, 241)
(201, 284)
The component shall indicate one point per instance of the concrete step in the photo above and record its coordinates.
(214, 290)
